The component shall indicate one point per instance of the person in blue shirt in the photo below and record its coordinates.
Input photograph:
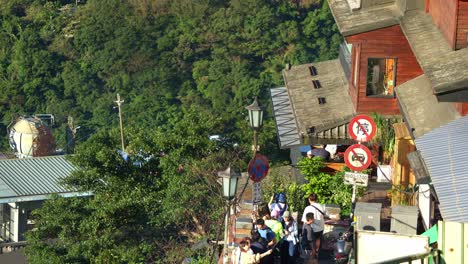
(266, 233)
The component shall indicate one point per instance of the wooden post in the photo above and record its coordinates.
(119, 103)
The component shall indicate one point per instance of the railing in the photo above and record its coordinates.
(11, 246)
(418, 258)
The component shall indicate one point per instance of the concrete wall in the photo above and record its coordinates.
(371, 3)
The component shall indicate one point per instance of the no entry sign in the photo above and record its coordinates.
(357, 157)
(362, 128)
(258, 168)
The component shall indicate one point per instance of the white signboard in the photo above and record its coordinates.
(360, 179)
(377, 247)
(257, 192)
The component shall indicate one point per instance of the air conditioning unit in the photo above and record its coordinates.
(368, 216)
(404, 219)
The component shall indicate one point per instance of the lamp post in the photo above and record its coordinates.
(229, 182)
(256, 121)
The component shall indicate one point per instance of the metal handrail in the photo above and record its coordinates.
(421, 256)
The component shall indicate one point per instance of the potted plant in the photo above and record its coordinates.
(384, 142)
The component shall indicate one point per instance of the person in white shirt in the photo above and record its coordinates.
(320, 213)
(236, 255)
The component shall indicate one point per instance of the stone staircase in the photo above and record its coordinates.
(244, 223)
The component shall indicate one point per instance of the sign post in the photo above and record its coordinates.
(358, 157)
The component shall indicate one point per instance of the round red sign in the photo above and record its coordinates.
(362, 128)
(357, 157)
(258, 168)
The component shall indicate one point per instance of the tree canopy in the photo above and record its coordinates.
(67, 60)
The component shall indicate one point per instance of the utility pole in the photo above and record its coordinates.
(119, 103)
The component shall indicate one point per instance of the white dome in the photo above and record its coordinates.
(29, 137)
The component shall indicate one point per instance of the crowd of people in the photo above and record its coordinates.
(277, 235)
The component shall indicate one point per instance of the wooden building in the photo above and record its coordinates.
(416, 50)
(381, 60)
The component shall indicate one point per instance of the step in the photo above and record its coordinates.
(242, 232)
(244, 226)
(246, 205)
(246, 212)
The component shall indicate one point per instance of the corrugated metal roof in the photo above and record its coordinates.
(444, 151)
(286, 128)
(33, 176)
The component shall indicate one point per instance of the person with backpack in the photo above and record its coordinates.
(278, 203)
(271, 220)
(319, 219)
(266, 233)
(259, 245)
(269, 236)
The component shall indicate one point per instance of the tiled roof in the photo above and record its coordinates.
(357, 21)
(444, 152)
(445, 68)
(33, 176)
(317, 122)
(420, 107)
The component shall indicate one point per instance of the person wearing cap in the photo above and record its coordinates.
(291, 233)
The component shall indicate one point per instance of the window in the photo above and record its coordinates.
(381, 76)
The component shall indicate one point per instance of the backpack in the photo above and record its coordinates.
(281, 197)
(304, 243)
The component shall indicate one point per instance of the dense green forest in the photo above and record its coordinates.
(186, 69)
(161, 56)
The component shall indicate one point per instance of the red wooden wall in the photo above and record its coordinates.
(389, 42)
(462, 108)
(462, 25)
(444, 15)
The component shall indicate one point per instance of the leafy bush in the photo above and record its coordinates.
(330, 189)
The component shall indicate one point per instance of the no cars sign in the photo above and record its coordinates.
(357, 157)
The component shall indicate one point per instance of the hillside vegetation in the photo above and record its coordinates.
(186, 69)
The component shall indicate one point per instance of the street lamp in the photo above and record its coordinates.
(229, 181)
(256, 120)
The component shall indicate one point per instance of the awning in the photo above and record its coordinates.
(444, 151)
